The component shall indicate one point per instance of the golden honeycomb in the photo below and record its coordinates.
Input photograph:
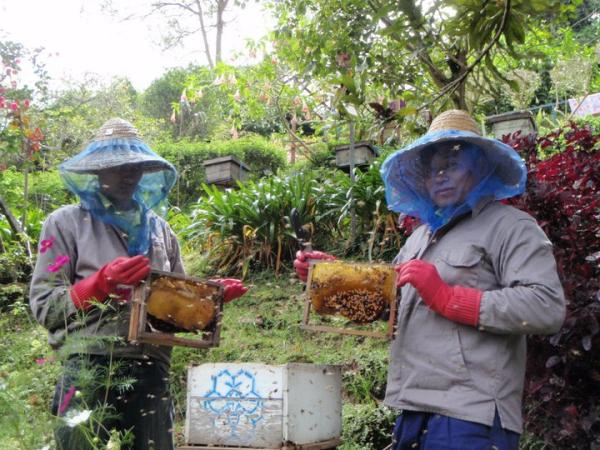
(189, 305)
(360, 292)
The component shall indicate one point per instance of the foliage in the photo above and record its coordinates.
(156, 101)
(365, 378)
(263, 98)
(526, 82)
(261, 156)
(367, 426)
(251, 225)
(377, 235)
(14, 266)
(404, 45)
(572, 76)
(563, 195)
(26, 387)
(77, 112)
(46, 190)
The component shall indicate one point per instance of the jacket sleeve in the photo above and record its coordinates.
(531, 299)
(49, 297)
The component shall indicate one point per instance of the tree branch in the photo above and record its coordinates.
(454, 84)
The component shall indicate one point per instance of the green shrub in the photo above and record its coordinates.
(365, 380)
(46, 189)
(367, 426)
(251, 225)
(14, 264)
(12, 296)
(257, 153)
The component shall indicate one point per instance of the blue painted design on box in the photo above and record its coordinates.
(235, 397)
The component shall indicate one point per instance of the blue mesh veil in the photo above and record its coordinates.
(498, 171)
(116, 147)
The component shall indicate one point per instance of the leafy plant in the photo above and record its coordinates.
(365, 378)
(525, 83)
(367, 427)
(563, 194)
(377, 234)
(251, 225)
(260, 155)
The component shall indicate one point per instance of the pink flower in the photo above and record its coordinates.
(42, 361)
(343, 60)
(60, 261)
(46, 244)
(26, 103)
(14, 106)
(66, 400)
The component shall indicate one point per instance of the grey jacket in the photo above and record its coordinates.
(90, 244)
(464, 372)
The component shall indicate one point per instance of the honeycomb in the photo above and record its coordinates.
(186, 304)
(358, 292)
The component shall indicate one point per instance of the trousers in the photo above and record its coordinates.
(428, 431)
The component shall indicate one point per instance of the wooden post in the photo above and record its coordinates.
(352, 181)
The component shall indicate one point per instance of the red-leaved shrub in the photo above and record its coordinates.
(562, 391)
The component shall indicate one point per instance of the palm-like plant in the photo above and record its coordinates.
(251, 224)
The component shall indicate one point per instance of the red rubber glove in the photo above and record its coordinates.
(457, 303)
(121, 270)
(301, 262)
(233, 288)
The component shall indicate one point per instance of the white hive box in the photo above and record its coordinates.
(263, 406)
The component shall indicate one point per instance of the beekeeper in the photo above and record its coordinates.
(477, 276)
(91, 256)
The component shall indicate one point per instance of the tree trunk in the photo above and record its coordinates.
(200, 15)
(221, 5)
(12, 221)
(15, 226)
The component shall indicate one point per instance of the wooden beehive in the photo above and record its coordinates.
(225, 171)
(364, 154)
(358, 295)
(508, 123)
(143, 328)
(259, 406)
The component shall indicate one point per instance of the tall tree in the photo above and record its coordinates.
(428, 47)
(185, 18)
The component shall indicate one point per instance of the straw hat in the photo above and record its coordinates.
(454, 119)
(117, 129)
(403, 171)
(116, 143)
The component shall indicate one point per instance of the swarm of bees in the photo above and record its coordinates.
(359, 292)
(358, 305)
(185, 304)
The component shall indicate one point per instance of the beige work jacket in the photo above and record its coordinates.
(439, 366)
(90, 244)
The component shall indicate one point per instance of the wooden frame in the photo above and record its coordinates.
(306, 325)
(138, 323)
(323, 445)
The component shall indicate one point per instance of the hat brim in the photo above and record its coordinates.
(102, 156)
(509, 166)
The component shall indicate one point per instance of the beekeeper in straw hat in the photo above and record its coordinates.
(91, 255)
(477, 276)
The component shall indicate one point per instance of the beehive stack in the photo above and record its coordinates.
(359, 292)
